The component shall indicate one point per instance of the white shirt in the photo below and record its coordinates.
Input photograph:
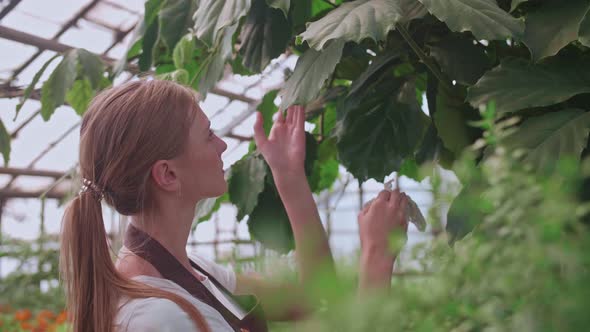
(157, 314)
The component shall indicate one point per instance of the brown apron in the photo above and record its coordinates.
(144, 246)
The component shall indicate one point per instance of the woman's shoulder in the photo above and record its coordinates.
(153, 314)
(159, 314)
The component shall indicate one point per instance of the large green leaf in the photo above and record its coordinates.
(584, 33)
(206, 207)
(548, 138)
(376, 132)
(212, 67)
(515, 4)
(80, 95)
(264, 36)
(326, 167)
(53, 92)
(517, 84)
(360, 19)
(214, 16)
(268, 108)
(4, 143)
(459, 58)
(553, 26)
(482, 17)
(283, 5)
(32, 85)
(246, 183)
(151, 10)
(269, 224)
(311, 71)
(452, 118)
(376, 68)
(148, 45)
(174, 20)
(180, 76)
(183, 51)
(91, 67)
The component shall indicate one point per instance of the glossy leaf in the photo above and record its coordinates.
(206, 207)
(264, 36)
(268, 108)
(482, 17)
(92, 67)
(283, 5)
(213, 65)
(377, 67)
(269, 224)
(213, 16)
(32, 85)
(376, 132)
(452, 118)
(326, 168)
(183, 51)
(584, 33)
(517, 84)
(553, 26)
(515, 4)
(548, 138)
(4, 143)
(180, 76)
(360, 19)
(460, 59)
(148, 45)
(80, 95)
(174, 20)
(311, 71)
(246, 183)
(53, 92)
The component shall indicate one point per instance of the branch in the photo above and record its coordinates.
(423, 57)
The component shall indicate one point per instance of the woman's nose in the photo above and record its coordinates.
(223, 145)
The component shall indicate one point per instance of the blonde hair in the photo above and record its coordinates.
(124, 132)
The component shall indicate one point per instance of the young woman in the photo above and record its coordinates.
(147, 150)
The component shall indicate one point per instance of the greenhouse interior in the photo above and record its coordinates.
(478, 111)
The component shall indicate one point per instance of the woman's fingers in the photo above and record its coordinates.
(384, 196)
(259, 134)
(290, 114)
(280, 117)
(301, 118)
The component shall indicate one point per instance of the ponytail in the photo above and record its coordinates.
(93, 284)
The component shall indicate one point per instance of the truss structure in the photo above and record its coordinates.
(228, 95)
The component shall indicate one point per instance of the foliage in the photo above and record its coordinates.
(524, 268)
(34, 282)
(368, 64)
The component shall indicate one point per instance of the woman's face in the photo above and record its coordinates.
(200, 168)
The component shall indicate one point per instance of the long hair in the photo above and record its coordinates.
(124, 132)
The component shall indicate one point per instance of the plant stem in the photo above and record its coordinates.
(423, 57)
(330, 3)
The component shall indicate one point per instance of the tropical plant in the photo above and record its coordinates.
(365, 68)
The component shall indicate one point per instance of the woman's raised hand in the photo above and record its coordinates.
(284, 149)
(380, 218)
(377, 221)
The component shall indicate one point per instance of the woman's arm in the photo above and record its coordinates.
(284, 151)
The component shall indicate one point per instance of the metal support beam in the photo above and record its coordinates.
(16, 193)
(31, 172)
(9, 8)
(41, 43)
(73, 21)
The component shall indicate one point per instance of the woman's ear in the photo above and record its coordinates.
(164, 176)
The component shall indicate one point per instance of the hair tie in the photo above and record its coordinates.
(87, 185)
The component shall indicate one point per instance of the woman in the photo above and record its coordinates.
(147, 150)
